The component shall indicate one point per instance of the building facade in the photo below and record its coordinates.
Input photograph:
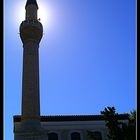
(73, 127)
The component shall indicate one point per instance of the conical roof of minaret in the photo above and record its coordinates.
(31, 2)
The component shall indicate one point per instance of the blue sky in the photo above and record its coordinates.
(87, 58)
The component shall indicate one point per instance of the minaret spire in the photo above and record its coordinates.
(31, 10)
(31, 2)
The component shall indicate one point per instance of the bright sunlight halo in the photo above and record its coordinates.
(44, 13)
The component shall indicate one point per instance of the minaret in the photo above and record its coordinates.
(31, 32)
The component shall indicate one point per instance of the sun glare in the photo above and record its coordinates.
(44, 13)
(19, 13)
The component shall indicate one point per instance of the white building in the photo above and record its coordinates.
(72, 127)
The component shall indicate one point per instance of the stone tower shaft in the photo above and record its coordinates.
(31, 32)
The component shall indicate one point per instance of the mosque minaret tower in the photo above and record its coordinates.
(31, 32)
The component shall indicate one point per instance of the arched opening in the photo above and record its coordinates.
(52, 136)
(75, 136)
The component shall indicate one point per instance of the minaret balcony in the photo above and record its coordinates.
(31, 30)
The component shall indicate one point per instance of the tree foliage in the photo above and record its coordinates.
(117, 130)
